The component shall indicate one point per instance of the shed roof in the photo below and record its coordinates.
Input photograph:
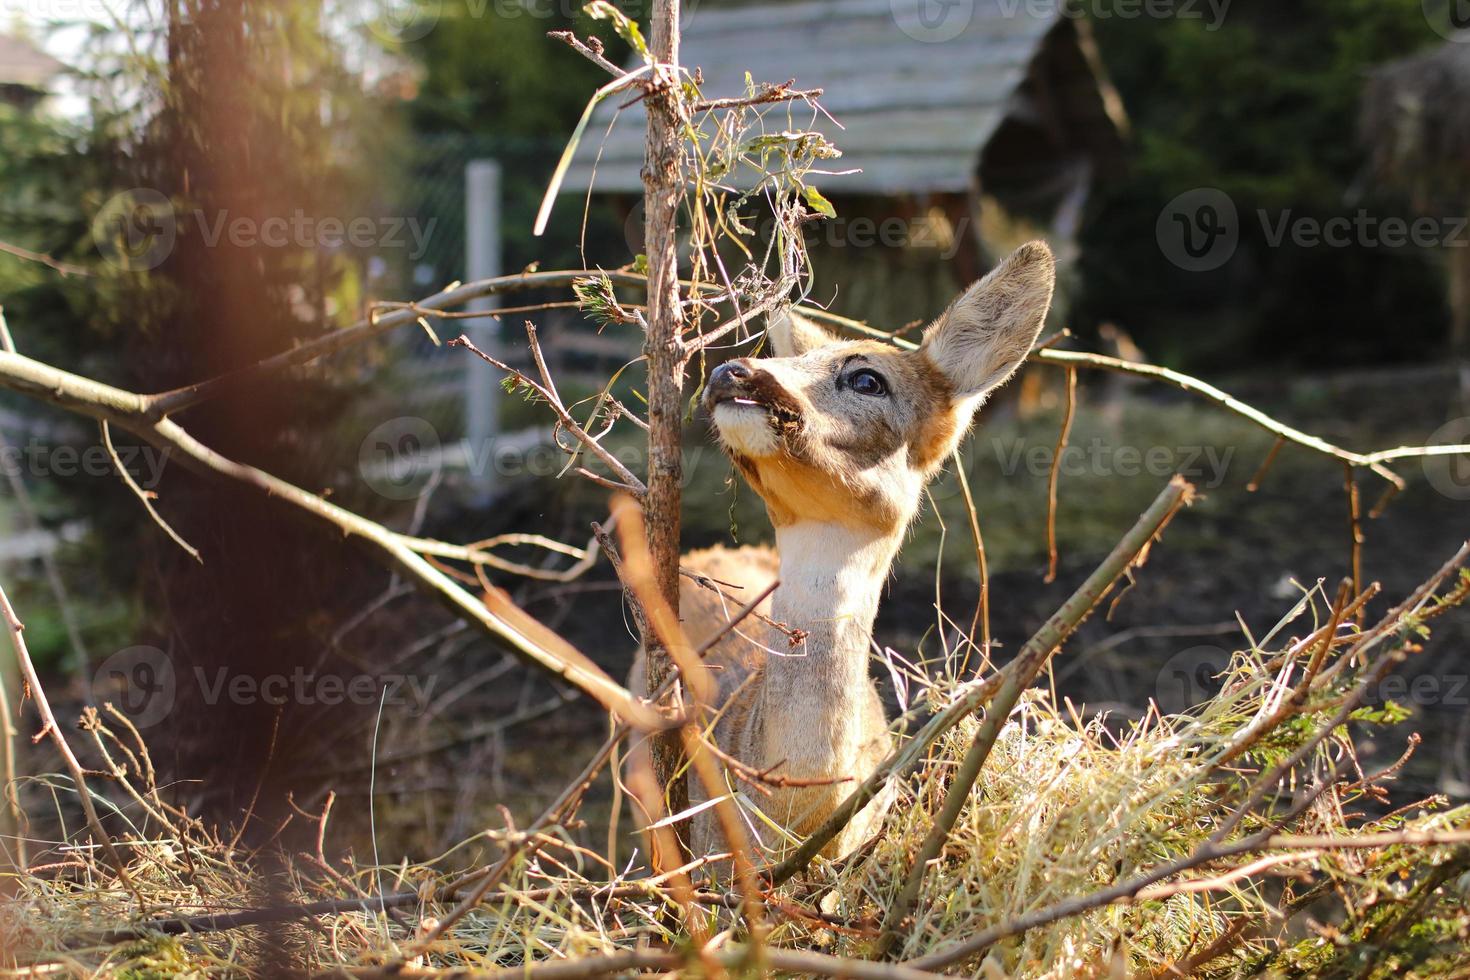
(22, 63)
(918, 86)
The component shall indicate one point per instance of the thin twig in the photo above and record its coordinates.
(529, 841)
(65, 268)
(1243, 741)
(768, 95)
(375, 325)
(638, 576)
(134, 413)
(145, 497)
(1055, 476)
(478, 553)
(1370, 679)
(982, 605)
(591, 49)
(11, 789)
(630, 483)
(1355, 528)
(1265, 466)
(50, 727)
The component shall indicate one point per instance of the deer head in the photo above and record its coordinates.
(849, 432)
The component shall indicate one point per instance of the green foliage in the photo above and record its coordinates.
(1263, 106)
(497, 73)
(294, 133)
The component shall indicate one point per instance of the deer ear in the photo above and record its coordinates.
(985, 334)
(792, 334)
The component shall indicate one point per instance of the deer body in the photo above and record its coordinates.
(839, 438)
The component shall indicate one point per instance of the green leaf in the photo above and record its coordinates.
(616, 85)
(819, 203)
(1391, 713)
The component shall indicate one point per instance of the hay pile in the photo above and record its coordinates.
(1074, 825)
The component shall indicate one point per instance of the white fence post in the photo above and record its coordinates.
(482, 389)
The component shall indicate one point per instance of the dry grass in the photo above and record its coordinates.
(1068, 806)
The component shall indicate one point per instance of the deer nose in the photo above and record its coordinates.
(732, 372)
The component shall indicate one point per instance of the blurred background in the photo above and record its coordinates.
(1272, 196)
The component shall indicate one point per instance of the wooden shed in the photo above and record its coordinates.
(25, 72)
(992, 117)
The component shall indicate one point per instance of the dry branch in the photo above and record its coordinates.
(547, 392)
(638, 574)
(375, 325)
(49, 728)
(1129, 553)
(482, 881)
(982, 605)
(663, 183)
(1054, 477)
(1218, 846)
(40, 258)
(135, 413)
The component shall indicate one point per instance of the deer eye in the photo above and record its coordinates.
(867, 382)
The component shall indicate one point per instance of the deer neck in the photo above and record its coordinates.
(814, 697)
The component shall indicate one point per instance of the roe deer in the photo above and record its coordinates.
(839, 439)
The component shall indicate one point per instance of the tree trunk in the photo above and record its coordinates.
(663, 189)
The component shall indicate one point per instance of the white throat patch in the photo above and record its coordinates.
(746, 429)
